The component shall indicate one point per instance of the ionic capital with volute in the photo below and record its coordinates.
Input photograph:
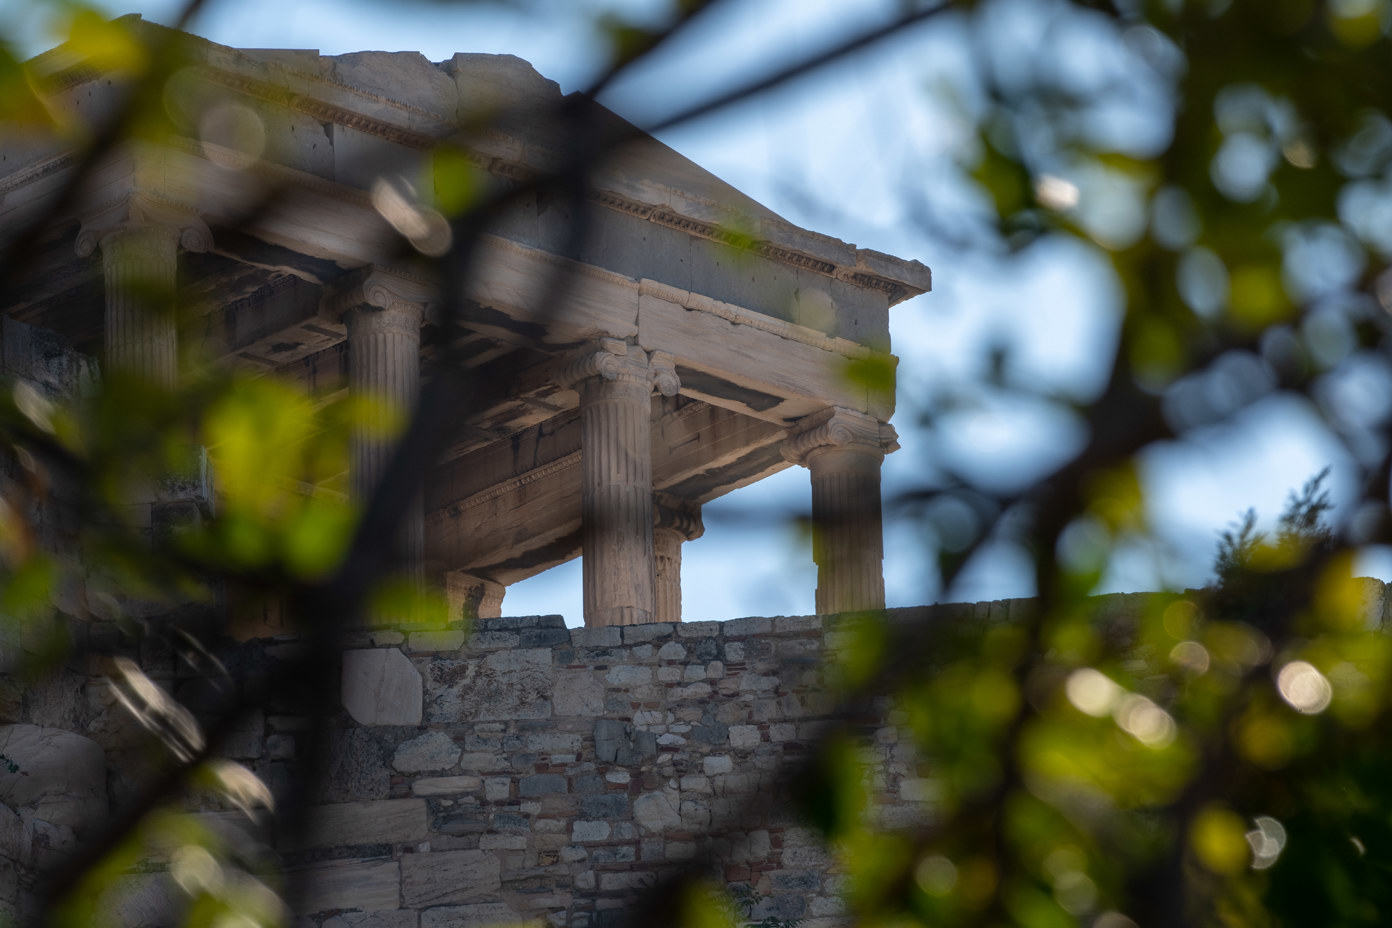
(839, 429)
(397, 295)
(615, 360)
(144, 212)
(677, 516)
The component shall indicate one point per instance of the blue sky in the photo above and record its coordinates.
(850, 152)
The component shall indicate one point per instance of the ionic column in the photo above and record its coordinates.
(383, 313)
(139, 238)
(472, 597)
(843, 450)
(674, 523)
(615, 385)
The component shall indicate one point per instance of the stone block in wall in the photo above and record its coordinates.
(446, 786)
(492, 641)
(431, 751)
(58, 775)
(604, 636)
(504, 685)
(54, 702)
(350, 824)
(637, 634)
(150, 900)
(357, 767)
(543, 637)
(658, 811)
(698, 629)
(445, 877)
(579, 692)
(754, 625)
(437, 640)
(481, 915)
(370, 885)
(14, 837)
(618, 742)
(401, 918)
(381, 687)
(541, 784)
(516, 623)
(744, 737)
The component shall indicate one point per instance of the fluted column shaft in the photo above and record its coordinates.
(847, 528)
(140, 236)
(615, 384)
(384, 369)
(616, 498)
(141, 265)
(674, 524)
(843, 450)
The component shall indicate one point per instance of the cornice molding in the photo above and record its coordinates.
(37, 172)
(525, 170)
(840, 429)
(739, 315)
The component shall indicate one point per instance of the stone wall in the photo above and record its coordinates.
(534, 771)
(514, 771)
(519, 770)
(538, 771)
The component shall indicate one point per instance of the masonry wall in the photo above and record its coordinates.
(517, 771)
(552, 771)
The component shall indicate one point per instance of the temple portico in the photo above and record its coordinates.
(618, 382)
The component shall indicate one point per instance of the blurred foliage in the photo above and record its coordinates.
(1207, 758)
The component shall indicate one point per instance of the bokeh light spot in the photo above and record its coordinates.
(1304, 687)
(1092, 691)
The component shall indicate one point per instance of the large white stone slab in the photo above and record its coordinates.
(442, 877)
(446, 786)
(402, 918)
(482, 915)
(381, 687)
(60, 775)
(347, 824)
(371, 885)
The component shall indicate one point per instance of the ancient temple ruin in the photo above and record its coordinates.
(686, 343)
(701, 344)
